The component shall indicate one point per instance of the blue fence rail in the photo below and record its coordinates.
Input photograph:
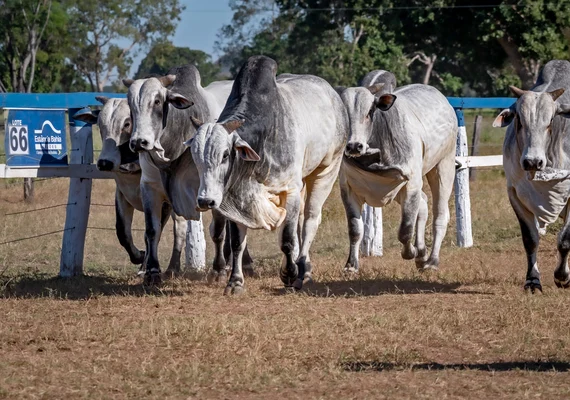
(84, 99)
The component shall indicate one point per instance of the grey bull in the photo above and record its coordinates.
(536, 158)
(275, 137)
(162, 110)
(395, 139)
(115, 127)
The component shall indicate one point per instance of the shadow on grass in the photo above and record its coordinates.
(77, 288)
(534, 366)
(377, 287)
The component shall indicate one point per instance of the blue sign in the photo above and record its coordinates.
(35, 137)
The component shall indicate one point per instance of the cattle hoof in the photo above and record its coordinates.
(234, 290)
(288, 277)
(562, 284)
(139, 259)
(152, 279)
(217, 277)
(349, 269)
(409, 254)
(533, 285)
(298, 284)
(141, 271)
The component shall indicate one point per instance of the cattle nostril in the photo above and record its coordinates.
(526, 164)
(354, 148)
(359, 147)
(144, 142)
(205, 203)
(105, 165)
(540, 164)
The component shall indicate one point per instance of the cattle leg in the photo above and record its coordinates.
(318, 189)
(247, 261)
(562, 273)
(410, 206)
(530, 237)
(440, 180)
(221, 248)
(238, 234)
(154, 219)
(289, 240)
(353, 209)
(420, 232)
(179, 228)
(123, 222)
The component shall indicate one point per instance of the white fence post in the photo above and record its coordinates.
(195, 246)
(79, 199)
(371, 244)
(462, 199)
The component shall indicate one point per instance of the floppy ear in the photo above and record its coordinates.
(88, 117)
(384, 102)
(375, 88)
(196, 122)
(128, 82)
(233, 125)
(244, 150)
(102, 99)
(504, 118)
(563, 110)
(178, 101)
(556, 93)
(516, 91)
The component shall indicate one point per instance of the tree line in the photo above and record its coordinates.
(463, 47)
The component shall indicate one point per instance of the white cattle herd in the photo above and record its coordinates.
(263, 152)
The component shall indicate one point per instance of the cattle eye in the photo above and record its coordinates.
(127, 125)
(157, 102)
(226, 155)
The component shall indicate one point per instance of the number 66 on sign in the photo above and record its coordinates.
(35, 137)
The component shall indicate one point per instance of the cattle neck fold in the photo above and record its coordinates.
(255, 98)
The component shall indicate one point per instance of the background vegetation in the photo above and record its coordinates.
(464, 47)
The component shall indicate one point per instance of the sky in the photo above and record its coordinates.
(200, 23)
(198, 27)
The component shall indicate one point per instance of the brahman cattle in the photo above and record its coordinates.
(536, 158)
(395, 139)
(275, 137)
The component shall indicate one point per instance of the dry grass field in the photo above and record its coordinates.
(465, 331)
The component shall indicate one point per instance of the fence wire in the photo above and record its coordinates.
(40, 209)
(36, 236)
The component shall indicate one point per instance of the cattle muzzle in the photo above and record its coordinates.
(533, 164)
(354, 149)
(139, 145)
(205, 204)
(105, 165)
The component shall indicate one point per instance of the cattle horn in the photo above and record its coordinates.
(233, 125)
(196, 122)
(102, 99)
(516, 91)
(556, 93)
(375, 88)
(167, 80)
(128, 82)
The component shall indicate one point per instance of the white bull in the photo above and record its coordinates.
(395, 139)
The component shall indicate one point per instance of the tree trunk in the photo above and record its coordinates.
(429, 67)
(525, 74)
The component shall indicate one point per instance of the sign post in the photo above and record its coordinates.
(79, 200)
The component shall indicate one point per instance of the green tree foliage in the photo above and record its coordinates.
(32, 44)
(165, 55)
(105, 35)
(462, 50)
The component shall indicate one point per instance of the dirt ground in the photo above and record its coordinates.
(465, 331)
